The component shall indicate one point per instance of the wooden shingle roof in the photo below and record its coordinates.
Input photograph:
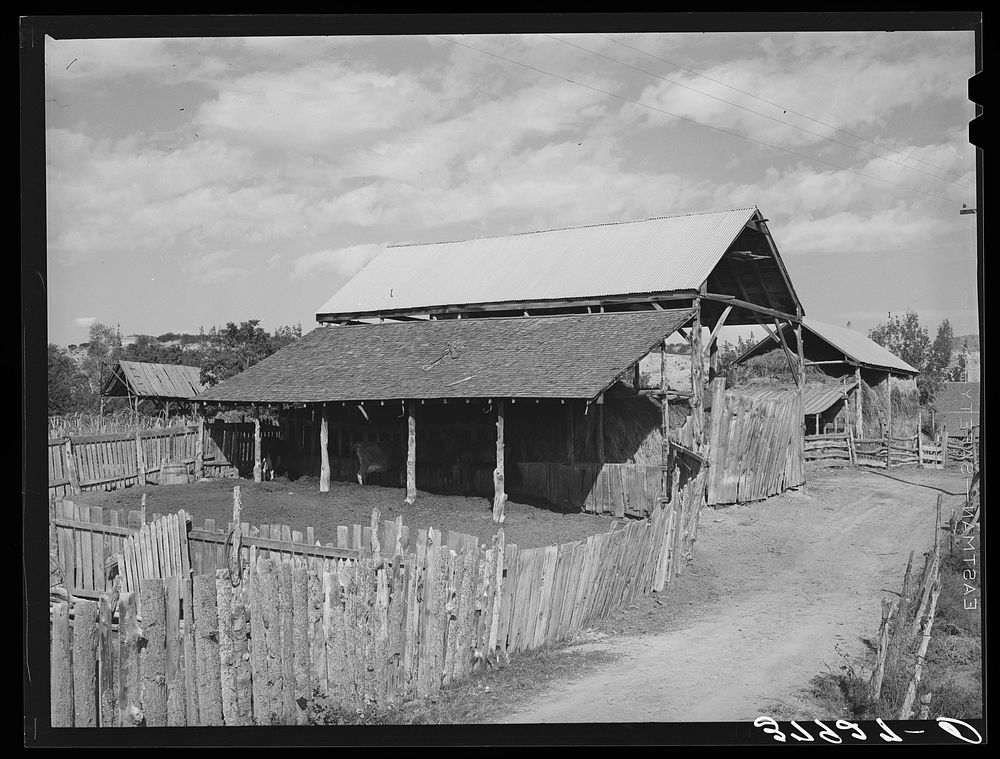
(146, 380)
(577, 356)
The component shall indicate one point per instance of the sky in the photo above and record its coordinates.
(192, 182)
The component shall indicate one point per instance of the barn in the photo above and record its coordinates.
(515, 359)
(865, 375)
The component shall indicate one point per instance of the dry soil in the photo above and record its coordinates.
(778, 591)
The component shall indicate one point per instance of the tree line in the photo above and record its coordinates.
(220, 353)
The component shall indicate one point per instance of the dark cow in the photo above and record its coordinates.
(376, 457)
(271, 450)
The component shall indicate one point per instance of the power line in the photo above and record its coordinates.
(784, 108)
(757, 113)
(699, 123)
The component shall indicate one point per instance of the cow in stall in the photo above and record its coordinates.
(377, 457)
(271, 454)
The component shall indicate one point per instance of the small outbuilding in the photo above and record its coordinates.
(160, 383)
(869, 375)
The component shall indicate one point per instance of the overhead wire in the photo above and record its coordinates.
(758, 113)
(784, 108)
(699, 123)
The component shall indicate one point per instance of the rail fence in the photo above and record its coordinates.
(386, 615)
(841, 449)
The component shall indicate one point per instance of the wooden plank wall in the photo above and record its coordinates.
(109, 462)
(377, 626)
(759, 450)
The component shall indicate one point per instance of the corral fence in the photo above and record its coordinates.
(385, 615)
(842, 449)
(122, 459)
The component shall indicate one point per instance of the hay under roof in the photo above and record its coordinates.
(826, 342)
(153, 381)
(556, 357)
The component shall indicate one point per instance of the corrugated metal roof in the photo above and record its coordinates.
(653, 255)
(816, 398)
(154, 380)
(853, 345)
(576, 356)
(856, 346)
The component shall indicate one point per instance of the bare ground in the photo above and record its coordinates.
(299, 504)
(779, 591)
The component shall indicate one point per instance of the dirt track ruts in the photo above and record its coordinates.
(778, 591)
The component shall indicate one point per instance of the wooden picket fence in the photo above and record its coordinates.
(304, 625)
(756, 448)
(118, 460)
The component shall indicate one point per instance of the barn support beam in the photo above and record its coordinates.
(600, 429)
(888, 405)
(859, 418)
(499, 494)
(257, 467)
(697, 379)
(666, 469)
(324, 453)
(411, 453)
(801, 372)
(570, 435)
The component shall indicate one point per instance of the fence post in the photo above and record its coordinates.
(944, 447)
(71, 468)
(199, 450)
(140, 459)
(888, 451)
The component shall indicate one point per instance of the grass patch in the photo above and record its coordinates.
(952, 669)
(482, 697)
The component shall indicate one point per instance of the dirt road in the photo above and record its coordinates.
(777, 591)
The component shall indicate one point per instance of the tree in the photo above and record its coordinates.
(939, 356)
(103, 351)
(236, 348)
(152, 351)
(69, 390)
(906, 338)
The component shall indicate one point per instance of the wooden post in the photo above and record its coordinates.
(140, 459)
(802, 373)
(944, 446)
(570, 434)
(859, 432)
(697, 379)
(499, 496)
(256, 448)
(71, 468)
(888, 382)
(199, 450)
(411, 453)
(920, 439)
(665, 473)
(324, 454)
(600, 430)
